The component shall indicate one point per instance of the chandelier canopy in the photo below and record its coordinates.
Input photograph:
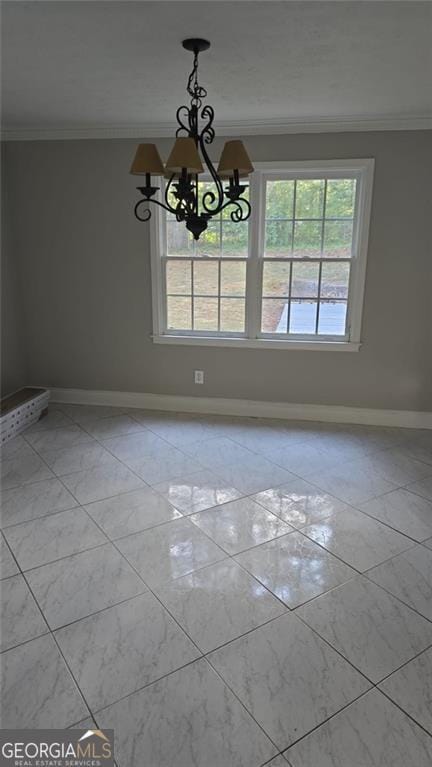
(188, 159)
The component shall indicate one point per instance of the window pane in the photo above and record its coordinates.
(307, 239)
(332, 318)
(309, 198)
(305, 280)
(278, 238)
(340, 198)
(303, 317)
(209, 241)
(178, 277)
(276, 279)
(335, 280)
(205, 314)
(337, 239)
(179, 313)
(274, 315)
(235, 239)
(279, 199)
(232, 317)
(233, 278)
(179, 240)
(206, 276)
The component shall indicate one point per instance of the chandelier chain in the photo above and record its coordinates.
(196, 91)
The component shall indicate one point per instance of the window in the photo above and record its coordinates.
(291, 276)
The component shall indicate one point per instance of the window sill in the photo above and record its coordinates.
(258, 343)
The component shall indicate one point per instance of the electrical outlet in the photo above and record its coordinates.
(199, 376)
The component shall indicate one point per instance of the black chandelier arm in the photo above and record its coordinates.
(242, 209)
(147, 211)
(209, 198)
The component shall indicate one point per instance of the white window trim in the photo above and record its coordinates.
(362, 170)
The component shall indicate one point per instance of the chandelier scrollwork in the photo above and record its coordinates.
(184, 165)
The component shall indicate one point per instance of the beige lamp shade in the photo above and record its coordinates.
(234, 157)
(184, 154)
(147, 160)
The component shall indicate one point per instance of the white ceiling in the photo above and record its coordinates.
(95, 68)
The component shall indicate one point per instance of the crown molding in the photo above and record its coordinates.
(241, 127)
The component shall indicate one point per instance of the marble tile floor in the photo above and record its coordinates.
(223, 592)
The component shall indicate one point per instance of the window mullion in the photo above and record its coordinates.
(254, 262)
(289, 297)
(219, 293)
(192, 296)
(321, 263)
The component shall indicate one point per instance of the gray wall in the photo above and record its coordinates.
(13, 370)
(85, 274)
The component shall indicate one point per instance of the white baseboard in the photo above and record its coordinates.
(242, 407)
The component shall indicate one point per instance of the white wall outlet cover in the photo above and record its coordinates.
(199, 376)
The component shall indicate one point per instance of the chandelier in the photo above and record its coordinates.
(181, 196)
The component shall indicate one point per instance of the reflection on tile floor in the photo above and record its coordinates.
(224, 592)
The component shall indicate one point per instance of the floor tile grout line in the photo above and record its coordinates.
(165, 584)
(66, 556)
(156, 597)
(5, 542)
(234, 640)
(333, 513)
(333, 648)
(83, 617)
(339, 652)
(325, 721)
(311, 441)
(303, 736)
(387, 590)
(202, 656)
(245, 496)
(425, 497)
(128, 467)
(227, 554)
(185, 515)
(169, 444)
(205, 655)
(33, 519)
(224, 682)
(358, 572)
(410, 716)
(387, 524)
(51, 633)
(202, 467)
(358, 575)
(26, 641)
(405, 663)
(301, 604)
(183, 630)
